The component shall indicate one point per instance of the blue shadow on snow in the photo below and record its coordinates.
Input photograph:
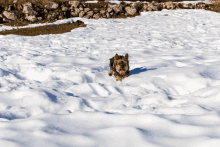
(139, 70)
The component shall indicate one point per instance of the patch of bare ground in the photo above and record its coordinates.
(25, 23)
(48, 29)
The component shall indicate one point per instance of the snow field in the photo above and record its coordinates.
(55, 89)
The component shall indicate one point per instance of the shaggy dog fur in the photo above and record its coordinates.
(119, 65)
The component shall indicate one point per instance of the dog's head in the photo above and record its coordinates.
(121, 64)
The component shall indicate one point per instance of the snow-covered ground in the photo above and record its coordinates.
(55, 90)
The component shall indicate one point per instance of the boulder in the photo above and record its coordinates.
(27, 9)
(31, 18)
(200, 5)
(52, 16)
(178, 5)
(27, 4)
(52, 5)
(77, 10)
(74, 3)
(6, 20)
(81, 14)
(81, 8)
(117, 8)
(86, 16)
(96, 16)
(74, 14)
(108, 15)
(191, 6)
(90, 13)
(130, 11)
(86, 9)
(169, 5)
(102, 12)
(64, 9)
(109, 10)
(152, 6)
(10, 15)
(39, 18)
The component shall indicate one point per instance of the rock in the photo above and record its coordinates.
(109, 10)
(86, 16)
(64, 9)
(1, 16)
(90, 13)
(95, 10)
(96, 16)
(74, 14)
(6, 20)
(31, 18)
(21, 19)
(102, 12)
(45, 11)
(10, 15)
(169, 5)
(77, 10)
(15, 1)
(39, 18)
(134, 5)
(71, 7)
(145, 6)
(108, 15)
(27, 9)
(81, 14)
(200, 5)
(52, 16)
(27, 4)
(52, 5)
(20, 7)
(152, 6)
(117, 8)
(60, 17)
(81, 8)
(178, 5)
(86, 10)
(74, 3)
(130, 11)
(9, 8)
(191, 6)
(112, 13)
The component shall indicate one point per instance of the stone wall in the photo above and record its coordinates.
(54, 11)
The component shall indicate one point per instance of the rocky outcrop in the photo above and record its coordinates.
(60, 10)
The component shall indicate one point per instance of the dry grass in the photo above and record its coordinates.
(42, 30)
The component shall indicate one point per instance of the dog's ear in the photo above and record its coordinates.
(126, 56)
(116, 56)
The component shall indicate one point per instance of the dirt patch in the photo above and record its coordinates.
(25, 23)
(48, 29)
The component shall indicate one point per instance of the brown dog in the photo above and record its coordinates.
(120, 66)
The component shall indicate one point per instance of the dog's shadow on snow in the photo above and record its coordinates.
(140, 70)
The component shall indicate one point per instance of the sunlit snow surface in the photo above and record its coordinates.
(55, 90)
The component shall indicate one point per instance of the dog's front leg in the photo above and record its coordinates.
(111, 66)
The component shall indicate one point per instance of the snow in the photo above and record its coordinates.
(55, 89)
